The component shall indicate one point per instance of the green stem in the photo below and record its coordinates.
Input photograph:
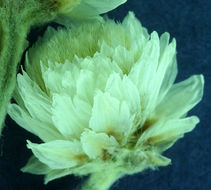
(101, 180)
(16, 18)
(12, 46)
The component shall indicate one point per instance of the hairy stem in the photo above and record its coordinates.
(12, 46)
(16, 18)
(101, 180)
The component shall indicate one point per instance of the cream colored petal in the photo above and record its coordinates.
(181, 98)
(168, 79)
(137, 34)
(60, 77)
(111, 116)
(95, 144)
(58, 154)
(163, 134)
(34, 70)
(34, 166)
(70, 116)
(52, 76)
(130, 38)
(143, 74)
(167, 69)
(86, 86)
(45, 131)
(148, 62)
(102, 67)
(164, 43)
(124, 90)
(124, 58)
(35, 100)
(48, 49)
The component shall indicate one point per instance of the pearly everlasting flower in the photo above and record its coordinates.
(102, 98)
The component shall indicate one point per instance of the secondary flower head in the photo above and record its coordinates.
(102, 96)
(83, 9)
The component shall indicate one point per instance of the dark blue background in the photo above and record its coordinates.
(189, 21)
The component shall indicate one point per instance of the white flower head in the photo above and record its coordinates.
(102, 95)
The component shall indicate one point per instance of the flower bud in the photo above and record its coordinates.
(84, 9)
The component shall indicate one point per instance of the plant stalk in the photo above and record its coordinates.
(101, 180)
(16, 18)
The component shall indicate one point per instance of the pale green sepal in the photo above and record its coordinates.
(58, 154)
(45, 131)
(163, 134)
(35, 100)
(55, 174)
(181, 98)
(34, 166)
